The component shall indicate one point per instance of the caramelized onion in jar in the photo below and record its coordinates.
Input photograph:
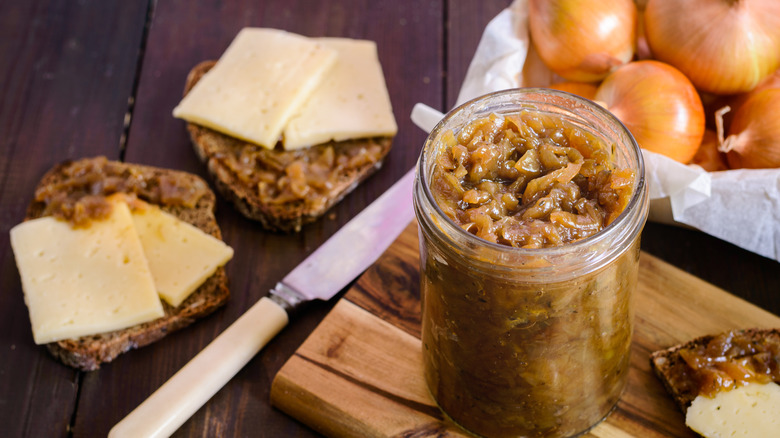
(530, 204)
(528, 180)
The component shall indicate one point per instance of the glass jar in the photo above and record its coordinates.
(528, 342)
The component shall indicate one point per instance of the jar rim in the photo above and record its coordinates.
(633, 208)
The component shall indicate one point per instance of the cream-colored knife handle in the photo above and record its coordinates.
(192, 386)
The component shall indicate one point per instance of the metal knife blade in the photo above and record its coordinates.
(321, 276)
(354, 247)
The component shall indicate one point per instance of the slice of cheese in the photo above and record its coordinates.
(351, 102)
(751, 410)
(257, 85)
(80, 282)
(181, 256)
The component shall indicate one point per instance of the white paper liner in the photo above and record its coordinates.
(739, 206)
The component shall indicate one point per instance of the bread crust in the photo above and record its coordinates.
(666, 362)
(87, 353)
(210, 146)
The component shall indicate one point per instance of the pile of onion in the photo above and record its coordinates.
(754, 134)
(725, 52)
(722, 46)
(583, 40)
(658, 105)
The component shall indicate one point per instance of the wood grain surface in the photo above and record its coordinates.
(67, 70)
(88, 77)
(360, 372)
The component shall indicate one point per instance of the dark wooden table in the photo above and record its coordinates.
(85, 78)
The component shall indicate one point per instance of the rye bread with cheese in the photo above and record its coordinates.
(670, 367)
(281, 189)
(181, 194)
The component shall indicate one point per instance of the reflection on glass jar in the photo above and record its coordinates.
(530, 205)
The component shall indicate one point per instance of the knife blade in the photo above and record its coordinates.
(322, 275)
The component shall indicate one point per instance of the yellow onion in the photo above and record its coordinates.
(772, 81)
(583, 40)
(708, 156)
(582, 89)
(659, 105)
(722, 46)
(737, 100)
(754, 134)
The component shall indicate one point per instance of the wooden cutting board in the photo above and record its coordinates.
(360, 372)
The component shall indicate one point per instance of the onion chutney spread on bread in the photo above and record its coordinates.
(329, 139)
(726, 384)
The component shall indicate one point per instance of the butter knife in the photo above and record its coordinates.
(322, 275)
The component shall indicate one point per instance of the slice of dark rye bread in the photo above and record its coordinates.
(212, 146)
(88, 352)
(672, 370)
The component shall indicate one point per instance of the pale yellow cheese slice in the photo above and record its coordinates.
(181, 256)
(752, 410)
(351, 102)
(79, 282)
(257, 85)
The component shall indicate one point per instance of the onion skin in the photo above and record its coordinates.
(736, 101)
(772, 81)
(582, 89)
(583, 40)
(754, 135)
(722, 46)
(658, 105)
(708, 156)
